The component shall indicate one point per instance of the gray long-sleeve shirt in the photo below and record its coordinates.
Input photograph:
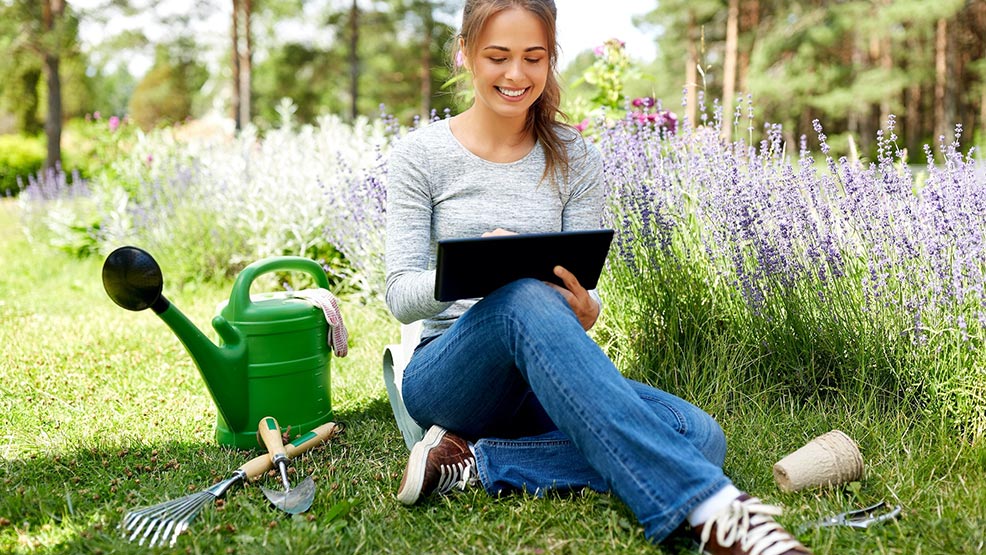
(437, 189)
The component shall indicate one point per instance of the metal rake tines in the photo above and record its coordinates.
(164, 520)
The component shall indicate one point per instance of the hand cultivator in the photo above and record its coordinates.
(165, 521)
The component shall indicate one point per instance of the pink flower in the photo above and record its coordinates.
(662, 118)
(644, 102)
(582, 125)
(670, 121)
(114, 123)
(95, 115)
(460, 59)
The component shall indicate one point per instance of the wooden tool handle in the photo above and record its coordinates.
(256, 466)
(270, 435)
(315, 437)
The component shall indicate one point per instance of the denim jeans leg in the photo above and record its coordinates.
(550, 461)
(525, 338)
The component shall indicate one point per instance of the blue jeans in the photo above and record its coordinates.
(548, 410)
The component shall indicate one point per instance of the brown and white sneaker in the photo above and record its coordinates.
(439, 463)
(747, 527)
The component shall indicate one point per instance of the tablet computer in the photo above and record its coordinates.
(476, 266)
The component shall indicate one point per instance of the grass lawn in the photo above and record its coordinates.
(104, 411)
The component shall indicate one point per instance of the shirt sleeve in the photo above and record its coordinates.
(410, 283)
(586, 202)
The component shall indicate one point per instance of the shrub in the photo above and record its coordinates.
(207, 207)
(811, 275)
(94, 145)
(20, 156)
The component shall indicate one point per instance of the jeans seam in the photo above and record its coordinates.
(524, 444)
(482, 469)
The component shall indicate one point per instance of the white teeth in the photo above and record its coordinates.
(509, 92)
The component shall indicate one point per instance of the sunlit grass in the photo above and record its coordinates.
(104, 412)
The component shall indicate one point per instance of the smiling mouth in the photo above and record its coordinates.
(512, 93)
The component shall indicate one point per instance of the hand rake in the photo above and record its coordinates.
(158, 523)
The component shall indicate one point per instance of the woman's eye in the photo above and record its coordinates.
(533, 60)
(498, 60)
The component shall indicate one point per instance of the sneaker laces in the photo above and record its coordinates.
(458, 475)
(751, 522)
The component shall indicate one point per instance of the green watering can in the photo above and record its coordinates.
(273, 356)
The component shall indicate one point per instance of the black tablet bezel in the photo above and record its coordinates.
(476, 266)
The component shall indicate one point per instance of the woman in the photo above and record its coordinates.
(516, 394)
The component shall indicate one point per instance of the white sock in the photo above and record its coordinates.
(708, 508)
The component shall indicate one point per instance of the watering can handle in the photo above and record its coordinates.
(239, 299)
(257, 466)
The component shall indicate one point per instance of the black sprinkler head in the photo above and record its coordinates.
(132, 278)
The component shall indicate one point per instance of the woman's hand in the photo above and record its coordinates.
(499, 232)
(585, 307)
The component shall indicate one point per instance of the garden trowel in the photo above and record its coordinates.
(291, 500)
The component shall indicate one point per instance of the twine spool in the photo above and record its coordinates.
(830, 459)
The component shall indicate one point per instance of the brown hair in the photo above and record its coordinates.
(545, 118)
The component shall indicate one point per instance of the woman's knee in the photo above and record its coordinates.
(696, 425)
(711, 440)
(526, 297)
(704, 432)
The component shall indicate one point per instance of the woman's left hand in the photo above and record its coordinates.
(586, 308)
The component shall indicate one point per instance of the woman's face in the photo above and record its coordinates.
(511, 63)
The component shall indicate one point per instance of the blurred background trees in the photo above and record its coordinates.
(849, 63)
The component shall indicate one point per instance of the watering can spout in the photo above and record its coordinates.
(132, 278)
(224, 368)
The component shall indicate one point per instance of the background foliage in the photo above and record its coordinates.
(800, 60)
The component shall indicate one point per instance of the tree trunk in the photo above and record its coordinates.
(51, 12)
(749, 26)
(886, 64)
(980, 30)
(235, 59)
(353, 61)
(854, 124)
(982, 111)
(246, 65)
(426, 38)
(941, 75)
(729, 69)
(912, 125)
(242, 62)
(691, 73)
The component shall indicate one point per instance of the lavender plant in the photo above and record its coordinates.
(206, 207)
(816, 273)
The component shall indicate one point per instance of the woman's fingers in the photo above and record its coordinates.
(499, 232)
(584, 306)
(571, 282)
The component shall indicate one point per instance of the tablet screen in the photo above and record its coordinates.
(476, 266)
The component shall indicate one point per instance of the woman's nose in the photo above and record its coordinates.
(515, 70)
